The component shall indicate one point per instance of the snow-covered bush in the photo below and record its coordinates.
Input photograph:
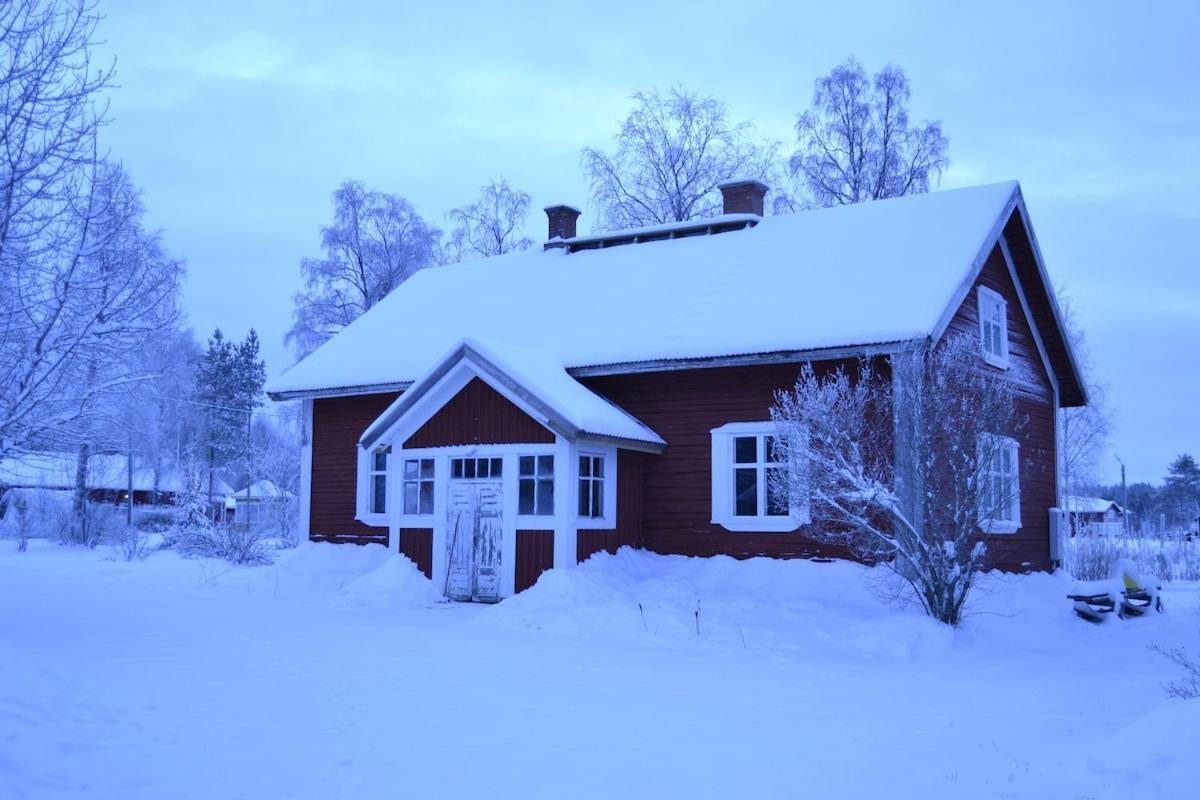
(913, 496)
(237, 544)
(131, 543)
(1187, 687)
(1168, 556)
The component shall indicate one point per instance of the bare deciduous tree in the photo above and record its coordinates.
(672, 151)
(491, 226)
(376, 242)
(919, 508)
(1084, 429)
(856, 142)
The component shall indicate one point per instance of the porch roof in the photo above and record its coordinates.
(537, 380)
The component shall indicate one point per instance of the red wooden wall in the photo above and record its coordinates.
(417, 544)
(628, 531)
(535, 555)
(479, 414)
(1028, 548)
(337, 424)
(683, 407)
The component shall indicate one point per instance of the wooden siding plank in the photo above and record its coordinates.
(479, 414)
(535, 555)
(417, 545)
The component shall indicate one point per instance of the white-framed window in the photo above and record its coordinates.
(535, 485)
(993, 327)
(470, 469)
(417, 486)
(591, 486)
(745, 493)
(377, 480)
(1000, 490)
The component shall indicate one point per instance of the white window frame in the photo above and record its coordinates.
(723, 495)
(405, 481)
(365, 506)
(988, 301)
(607, 519)
(995, 445)
(536, 518)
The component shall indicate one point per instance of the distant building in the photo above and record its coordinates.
(255, 504)
(1095, 515)
(109, 479)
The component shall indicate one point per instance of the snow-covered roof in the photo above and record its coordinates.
(57, 471)
(260, 490)
(861, 275)
(1089, 505)
(537, 377)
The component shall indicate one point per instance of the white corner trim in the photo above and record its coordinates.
(304, 518)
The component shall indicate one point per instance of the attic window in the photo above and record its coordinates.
(993, 327)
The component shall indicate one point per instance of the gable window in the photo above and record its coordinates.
(591, 486)
(747, 465)
(418, 486)
(993, 327)
(1000, 491)
(535, 485)
(378, 480)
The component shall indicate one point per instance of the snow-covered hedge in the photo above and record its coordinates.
(1170, 557)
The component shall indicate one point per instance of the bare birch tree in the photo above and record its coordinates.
(1084, 430)
(376, 242)
(671, 152)
(856, 142)
(919, 509)
(491, 226)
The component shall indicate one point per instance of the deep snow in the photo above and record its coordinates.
(336, 673)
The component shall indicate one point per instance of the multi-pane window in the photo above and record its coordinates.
(1000, 498)
(476, 468)
(591, 486)
(418, 486)
(993, 326)
(757, 467)
(535, 485)
(378, 480)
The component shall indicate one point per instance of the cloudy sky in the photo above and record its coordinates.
(240, 119)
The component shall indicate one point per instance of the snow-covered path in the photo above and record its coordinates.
(331, 676)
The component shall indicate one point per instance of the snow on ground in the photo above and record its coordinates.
(337, 674)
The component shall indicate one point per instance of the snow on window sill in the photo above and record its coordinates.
(760, 524)
(999, 526)
(995, 360)
(374, 520)
(595, 523)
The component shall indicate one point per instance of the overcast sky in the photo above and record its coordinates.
(239, 122)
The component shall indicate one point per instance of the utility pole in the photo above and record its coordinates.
(1124, 497)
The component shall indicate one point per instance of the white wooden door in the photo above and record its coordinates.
(474, 532)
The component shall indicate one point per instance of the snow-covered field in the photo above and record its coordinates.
(334, 674)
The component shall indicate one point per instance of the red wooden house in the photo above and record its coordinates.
(495, 418)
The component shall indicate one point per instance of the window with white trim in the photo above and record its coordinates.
(993, 327)
(1000, 476)
(591, 486)
(535, 485)
(417, 486)
(377, 480)
(749, 480)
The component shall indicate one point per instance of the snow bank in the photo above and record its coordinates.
(352, 575)
(751, 604)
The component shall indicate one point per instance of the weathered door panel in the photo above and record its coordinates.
(473, 542)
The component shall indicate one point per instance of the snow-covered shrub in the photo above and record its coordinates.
(1187, 687)
(1171, 556)
(913, 497)
(155, 519)
(237, 544)
(131, 543)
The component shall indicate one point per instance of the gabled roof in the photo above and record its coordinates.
(872, 275)
(1090, 505)
(49, 470)
(536, 380)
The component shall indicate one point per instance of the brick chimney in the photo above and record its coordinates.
(561, 221)
(742, 196)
